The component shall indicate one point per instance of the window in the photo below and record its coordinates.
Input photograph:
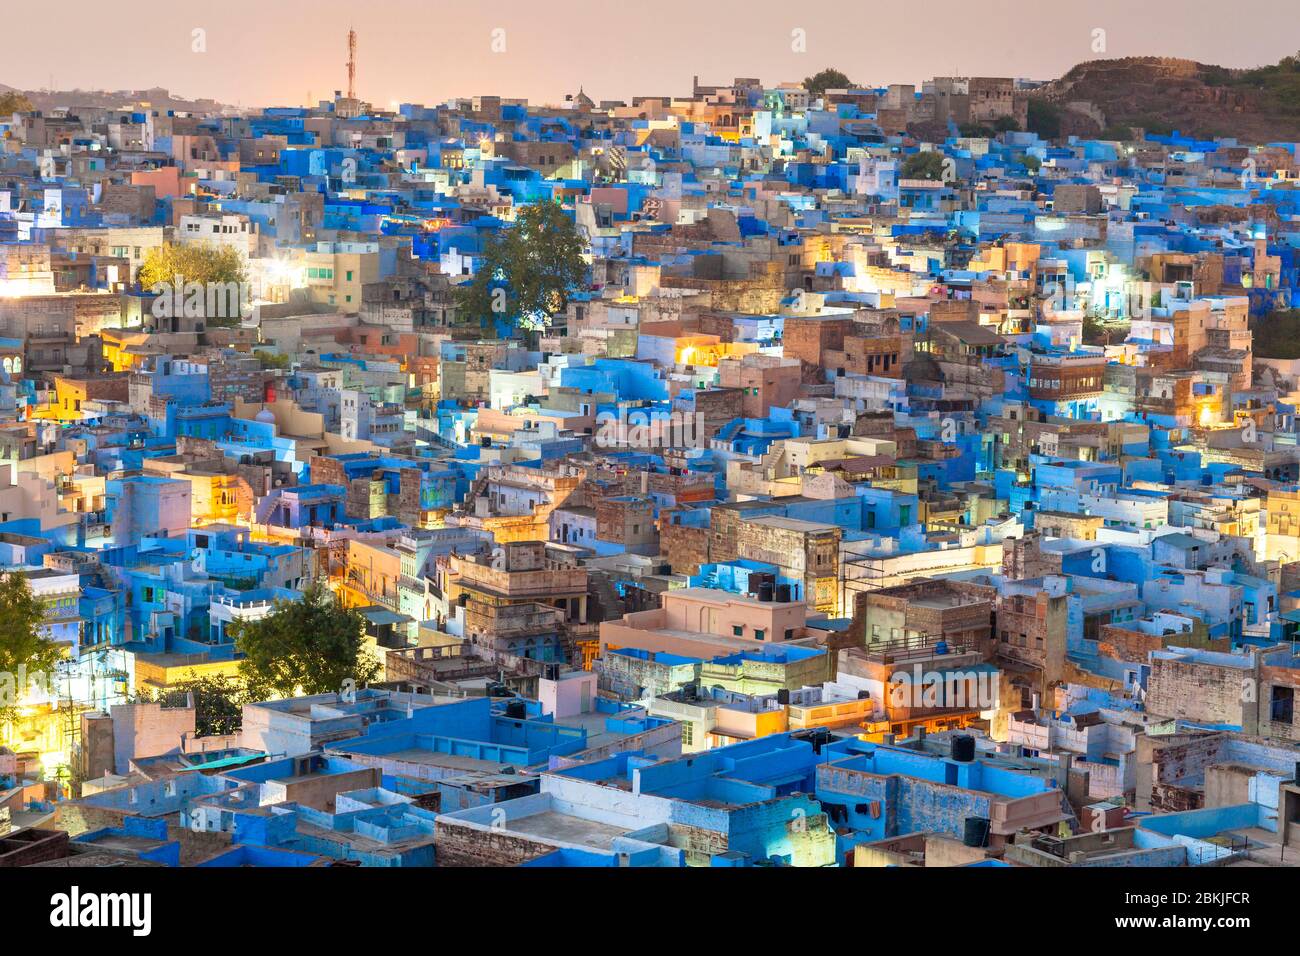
(738, 630)
(759, 633)
(1283, 704)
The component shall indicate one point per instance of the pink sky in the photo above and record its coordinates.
(276, 52)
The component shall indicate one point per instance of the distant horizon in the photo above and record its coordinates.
(684, 92)
(255, 55)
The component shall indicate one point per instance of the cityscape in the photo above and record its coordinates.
(820, 472)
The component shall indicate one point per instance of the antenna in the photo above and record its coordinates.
(352, 62)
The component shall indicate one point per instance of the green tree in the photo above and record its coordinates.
(828, 79)
(218, 702)
(269, 359)
(1032, 163)
(27, 653)
(926, 165)
(1277, 335)
(309, 646)
(214, 267)
(528, 273)
(1044, 118)
(192, 261)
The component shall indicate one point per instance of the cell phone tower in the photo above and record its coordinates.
(352, 63)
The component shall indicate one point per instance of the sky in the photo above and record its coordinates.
(280, 52)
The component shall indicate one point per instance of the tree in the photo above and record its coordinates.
(309, 646)
(202, 269)
(27, 653)
(218, 703)
(1044, 118)
(529, 271)
(926, 165)
(828, 79)
(14, 102)
(1277, 335)
(270, 359)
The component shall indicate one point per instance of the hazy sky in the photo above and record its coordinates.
(276, 52)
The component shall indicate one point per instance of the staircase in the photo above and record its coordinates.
(605, 599)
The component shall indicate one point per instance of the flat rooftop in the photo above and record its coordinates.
(549, 825)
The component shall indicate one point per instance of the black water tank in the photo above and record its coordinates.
(963, 748)
(818, 737)
(783, 593)
(976, 832)
(516, 709)
(783, 697)
(765, 591)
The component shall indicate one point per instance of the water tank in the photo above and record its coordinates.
(516, 709)
(783, 697)
(941, 647)
(766, 591)
(976, 831)
(783, 593)
(963, 748)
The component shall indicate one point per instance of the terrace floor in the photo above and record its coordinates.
(562, 828)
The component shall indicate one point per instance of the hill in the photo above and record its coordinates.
(157, 98)
(1160, 94)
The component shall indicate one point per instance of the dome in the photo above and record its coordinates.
(265, 415)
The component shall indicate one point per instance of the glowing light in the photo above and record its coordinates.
(53, 760)
(686, 354)
(282, 272)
